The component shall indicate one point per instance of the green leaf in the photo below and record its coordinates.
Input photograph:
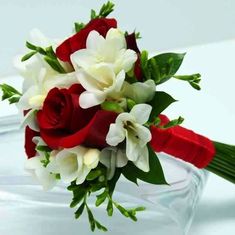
(193, 80)
(105, 10)
(91, 219)
(192, 77)
(130, 104)
(49, 56)
(154, 176)
(94, 174)
(43, 148)
(160, 102)
(73, 186)
(28, 56)
(100, 226)
(54, 64)
(110, 208)
(173, 123)
(78, 196)
(93, 14)
(195, 85)
(164, 66)
(78, 26)
(112, 106)
(112, 183)
(101, 198)
(122, 210)
(35, 48)
(14, 100)
(31, 46)
(79, 211)
(10, 93)
(144, 64)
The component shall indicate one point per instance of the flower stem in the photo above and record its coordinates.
(223, 163)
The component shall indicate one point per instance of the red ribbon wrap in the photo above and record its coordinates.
(182, 143)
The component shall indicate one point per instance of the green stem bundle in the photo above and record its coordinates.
(223, 164)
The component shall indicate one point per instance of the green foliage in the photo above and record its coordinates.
(173, 123)
(105, 10)
(83, 191)
(10, 93)
(130, 104)
(154, 176)
(161, 68)
(112, 106)
(78, 26)
(193, 80)
(223, 163)
(49, 56)
(46, 151)
(159, 103)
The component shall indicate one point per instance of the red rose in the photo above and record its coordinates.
(29, 144)
(78, 41)
(63, 123)
(132, 44)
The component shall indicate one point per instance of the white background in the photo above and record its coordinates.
(164, 25)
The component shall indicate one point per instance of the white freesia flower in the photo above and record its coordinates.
(102, 84)
(38, 76)
(41, 173)
(75, 163)
(140, 92)
(110, 50)
(102, 65)
(129, 126)
(113, 157)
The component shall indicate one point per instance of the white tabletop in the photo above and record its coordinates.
(210, 112)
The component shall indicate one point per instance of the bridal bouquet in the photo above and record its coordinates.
(92, 113)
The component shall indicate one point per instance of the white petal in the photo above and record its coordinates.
(33, 163)
(141, 112)
(140, 92)
(30, 120)
(83, 58)
(87, 81)
(115, 135)
(61, 81)
(103, 74)
(37, 101)
(121, 159)
(91, 158)
(108, 159)
(123, 118)
(39, 141)
(131, 148)
(143, 133)
(119, 81)
(53, 166)
(88, 99)
(105, 156)
(46, 179)
(126, 59)
(94, 40)
(82, 175)
(68, 166)
(143, 160)
(117, 37)
(38, 38)
(36, 168)
(23, 103)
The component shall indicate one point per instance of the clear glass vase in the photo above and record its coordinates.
(26, 209)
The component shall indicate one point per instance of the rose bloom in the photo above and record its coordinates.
(78, 41)
(64, 124)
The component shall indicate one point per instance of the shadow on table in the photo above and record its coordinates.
(212, 211)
